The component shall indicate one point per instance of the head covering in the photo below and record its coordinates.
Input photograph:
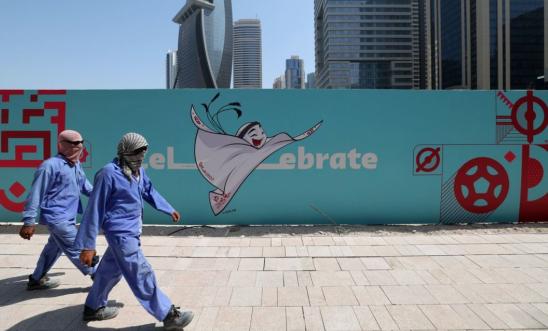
(245, 128)
(70, 145)
(131, 153)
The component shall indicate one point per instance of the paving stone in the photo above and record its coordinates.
(316, 297)
(268, 318)
(331, 278)
(251, 264)
(409, 317)
(443, 317)
(326, 264)
(410, 294)
(242, 278)
(292, 297)
(233, 318)
(379, 277)
(289, 264)
(269, 279)
(513, 316)
(446, 294)
(269, 297)
(290, 279)
(370, 295)
(313, 319)
(375, 263)
(350, 263)
(339, 296)
(365, 318)
(295, 319)
(339, 319)
(383, 318)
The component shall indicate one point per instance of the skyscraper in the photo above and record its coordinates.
(248, 54)
(311, 80)
(491, 44)
(171, 69)
(204, 56)
(294, 73)
(279, 82)
(367, 44)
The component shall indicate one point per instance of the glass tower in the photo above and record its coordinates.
(204, 56)
(247, 54)
(367, 43)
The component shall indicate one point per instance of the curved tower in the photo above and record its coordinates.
(204, 57)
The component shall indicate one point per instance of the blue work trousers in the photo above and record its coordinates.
(124, 257)
(61, 240)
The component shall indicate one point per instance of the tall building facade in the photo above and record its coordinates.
(367, 43)
(204, 55)
(294, 73)
(171, 69)
(248, 64)
(279, 82)
(311, 80)
(490, 44)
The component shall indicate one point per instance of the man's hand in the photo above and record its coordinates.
(27, 231)
(175, 216)
(86, 256)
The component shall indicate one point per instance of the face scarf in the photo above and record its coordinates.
(70, 145)
(131, 153)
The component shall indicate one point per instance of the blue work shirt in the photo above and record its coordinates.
(116, 205)
(55, 192)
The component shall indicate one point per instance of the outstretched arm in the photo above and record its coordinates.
(156, 200)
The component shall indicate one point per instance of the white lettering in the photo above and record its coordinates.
(338, 161)
(319, 160)
(288, 161)
(157, 161)
(305, 161)
(369, 161)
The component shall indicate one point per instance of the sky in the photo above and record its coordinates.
(122, 44)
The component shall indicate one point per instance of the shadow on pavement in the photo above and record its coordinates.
(70, 318)
(14, 290)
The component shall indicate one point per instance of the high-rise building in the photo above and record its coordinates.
(171, 69)
(279, 82)
(294, 73)
(311, 80)
(204, 55)
(491, 44)
(248, 54)
(367, 44)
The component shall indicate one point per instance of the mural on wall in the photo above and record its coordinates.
(226, 160)
(439, 156)
(28, 137)
(476, 180)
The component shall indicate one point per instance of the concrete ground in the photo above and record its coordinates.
(306, 278)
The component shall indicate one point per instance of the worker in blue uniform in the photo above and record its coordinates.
(55, 198)
(116, 207)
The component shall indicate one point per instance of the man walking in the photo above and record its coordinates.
(55, 197)
(116, 207)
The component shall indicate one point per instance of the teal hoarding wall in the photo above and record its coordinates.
(331, 156)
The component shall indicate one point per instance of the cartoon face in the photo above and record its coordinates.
(253, 133)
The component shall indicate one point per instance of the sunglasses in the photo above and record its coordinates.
(74, 143)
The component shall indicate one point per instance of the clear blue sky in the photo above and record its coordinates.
(121, 44)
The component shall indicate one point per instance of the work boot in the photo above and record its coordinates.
(102, 313)
(176, 319)
(43, 284)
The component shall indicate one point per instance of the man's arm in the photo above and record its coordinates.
(156, 200)
(95, 212)
(86, 185)
(40, 184)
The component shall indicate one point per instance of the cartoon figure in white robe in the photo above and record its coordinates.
(226, 160)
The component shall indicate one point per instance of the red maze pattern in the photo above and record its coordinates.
(25, 131)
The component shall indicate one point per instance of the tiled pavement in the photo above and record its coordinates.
(404, 281)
